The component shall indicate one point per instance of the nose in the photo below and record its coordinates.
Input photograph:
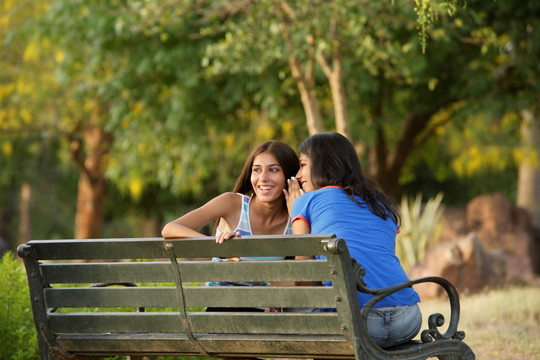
(264, 174)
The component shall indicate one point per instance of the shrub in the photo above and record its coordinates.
(421, 227)
(17, 332)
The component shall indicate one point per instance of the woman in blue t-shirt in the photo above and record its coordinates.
(331, 195)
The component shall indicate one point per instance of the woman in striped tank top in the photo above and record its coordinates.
(256, 206)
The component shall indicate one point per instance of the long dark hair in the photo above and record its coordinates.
(334, 162)
(285, 155)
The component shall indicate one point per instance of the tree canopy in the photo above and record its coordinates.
(169, 97)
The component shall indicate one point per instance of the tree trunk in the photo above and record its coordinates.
(91, 190)
(305, 84)
(385, 166)
(334, 74)
(151, 226)
(528, 192)
(305, 80)
(340, 103)
(8, 211)
(339, 100)
(24, 213)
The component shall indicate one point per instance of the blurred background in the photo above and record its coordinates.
(118, 116)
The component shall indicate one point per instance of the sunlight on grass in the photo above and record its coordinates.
(499, 324)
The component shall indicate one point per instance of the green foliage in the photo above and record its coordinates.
(428, 12)
(17, 332)
(188, 88)
(420, 228)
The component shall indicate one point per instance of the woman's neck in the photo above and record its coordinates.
(267, 212)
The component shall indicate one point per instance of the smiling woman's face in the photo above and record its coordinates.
(267, 177)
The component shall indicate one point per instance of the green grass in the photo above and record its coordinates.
(501, 324)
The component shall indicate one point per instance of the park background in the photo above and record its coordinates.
(118, 116)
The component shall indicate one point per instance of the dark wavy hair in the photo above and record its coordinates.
(285, 155)
(334, 162)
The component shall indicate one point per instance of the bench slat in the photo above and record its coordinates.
(213, 296)
(92, 273)
(148, 248)
(192, 271)
(201, 322)
(266, 323)
(331, 346)
(151, 248)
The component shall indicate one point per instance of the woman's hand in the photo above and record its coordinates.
(221, 237)
(293, 193)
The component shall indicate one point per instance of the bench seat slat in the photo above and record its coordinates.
(204, 323)
(213, 296)
(192, 271)
(147, 248)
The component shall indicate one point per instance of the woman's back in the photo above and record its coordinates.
(370, 239)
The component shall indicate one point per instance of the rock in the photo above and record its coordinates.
(489, 216)
(498, 226)
(464, 262)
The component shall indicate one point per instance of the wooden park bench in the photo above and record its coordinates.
(147, 297)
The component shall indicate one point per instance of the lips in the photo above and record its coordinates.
(265, 189)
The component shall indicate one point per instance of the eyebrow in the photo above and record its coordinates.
(254, 165)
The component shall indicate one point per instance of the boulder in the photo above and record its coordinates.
(464, 262)
(498, 226)
(489, 216)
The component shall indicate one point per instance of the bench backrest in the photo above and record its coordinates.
(159, 306)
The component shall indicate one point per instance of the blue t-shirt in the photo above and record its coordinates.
(370, 239)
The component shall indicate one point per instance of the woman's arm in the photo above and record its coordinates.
(226, 206)
(301, 227)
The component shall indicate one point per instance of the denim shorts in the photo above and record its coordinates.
(390, 326)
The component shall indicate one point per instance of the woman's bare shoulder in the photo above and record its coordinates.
(226, 200)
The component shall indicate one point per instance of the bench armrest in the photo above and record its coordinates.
(434, 321)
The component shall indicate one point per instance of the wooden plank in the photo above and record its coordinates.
(148, 248)
(236, 296)
(116, 322)
(91, 273)
(265, 323)
(213, 296)
(331, 346)
(285, 245)
(89, 249)
(202, 322)
(192, 271)
(299, 270)
(111, 297)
